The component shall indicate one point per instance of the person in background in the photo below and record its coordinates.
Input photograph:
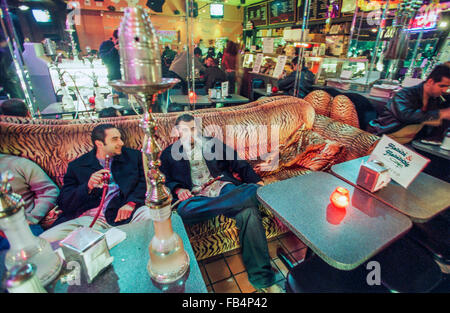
(38, 191)
(213, 74)
(109, 112)
(178, 68)
(412, 108)
(304, 84)
(109, 54)
(9, 79)
(82, 191)
(14, 107)
(419, 112)
(167, 58)
(229, 63)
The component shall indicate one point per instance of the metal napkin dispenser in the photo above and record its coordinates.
(87, 247)
(373, 176)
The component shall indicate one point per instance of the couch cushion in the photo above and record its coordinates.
(319, 153)
(321, 101)
(342, 109)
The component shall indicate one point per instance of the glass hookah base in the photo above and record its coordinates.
(167, 273)
(51, 274)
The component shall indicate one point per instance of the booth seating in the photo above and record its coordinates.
(339, 108)
(358, 110)
(320, 140)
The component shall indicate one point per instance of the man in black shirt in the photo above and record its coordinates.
(304, 84)
(414, 107)
(213, 74)
(110, 56)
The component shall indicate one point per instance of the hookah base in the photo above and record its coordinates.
(169, 275)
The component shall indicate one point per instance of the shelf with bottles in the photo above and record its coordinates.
(80, 75)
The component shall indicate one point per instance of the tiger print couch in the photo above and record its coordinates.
(52, 144)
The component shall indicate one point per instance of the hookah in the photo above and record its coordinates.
(67, 101)
(141, 65)
(99, 100)
(25, 247)
(105, 178)
(71, 30)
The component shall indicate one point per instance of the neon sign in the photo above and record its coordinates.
(426, 17)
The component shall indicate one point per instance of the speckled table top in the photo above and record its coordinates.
(424, 198)
(344, 238)
(128, 272)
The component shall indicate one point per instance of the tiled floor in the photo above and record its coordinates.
(226, 273)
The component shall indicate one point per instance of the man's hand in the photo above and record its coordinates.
(261, 183)
(124, 213)
(183, 194)
(96, 179)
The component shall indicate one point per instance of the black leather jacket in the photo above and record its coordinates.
(405, 108)
(305, 84)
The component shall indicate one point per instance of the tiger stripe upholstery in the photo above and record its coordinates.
(52, 144)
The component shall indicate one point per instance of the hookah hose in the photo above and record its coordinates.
(199, 189)
(105, 190)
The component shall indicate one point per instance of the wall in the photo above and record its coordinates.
(98, 23)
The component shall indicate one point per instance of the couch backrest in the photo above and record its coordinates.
(52, 146)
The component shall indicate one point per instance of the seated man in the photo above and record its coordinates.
(304, 85)
(414, 107)
(109, 54)
(191, 162)
(37, 190)
(82, 191)
(14, 107)
(213, 74)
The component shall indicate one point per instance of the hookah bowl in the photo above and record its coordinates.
(141, 67)
(24, 246)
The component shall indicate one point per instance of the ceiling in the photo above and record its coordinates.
(238, 2)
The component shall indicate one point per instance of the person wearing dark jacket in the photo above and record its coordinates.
(81, 193)
(193, 161)
(213, 74)
(110, 56)
(412, 108)
(304, 84)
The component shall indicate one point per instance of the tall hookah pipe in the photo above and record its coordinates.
(106, 177)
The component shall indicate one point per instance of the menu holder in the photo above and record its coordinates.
(258, 62)
(281, 62)
(402, 163)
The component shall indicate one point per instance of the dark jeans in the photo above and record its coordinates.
(241, 204)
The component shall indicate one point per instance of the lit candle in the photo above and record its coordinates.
(340, 197)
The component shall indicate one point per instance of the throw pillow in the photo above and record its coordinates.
(310, 151)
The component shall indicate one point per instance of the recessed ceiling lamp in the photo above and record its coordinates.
(24, 7)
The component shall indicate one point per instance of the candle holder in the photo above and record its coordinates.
(141, 65)
(24, 246)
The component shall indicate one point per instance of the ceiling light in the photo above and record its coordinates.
(24, 7)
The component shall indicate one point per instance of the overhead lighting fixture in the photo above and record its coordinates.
(443, 24)
(24, 7)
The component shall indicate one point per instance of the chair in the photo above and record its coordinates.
(332, 91)
(434, 236)
(315, 276)
(366, 111)
(404, 267)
